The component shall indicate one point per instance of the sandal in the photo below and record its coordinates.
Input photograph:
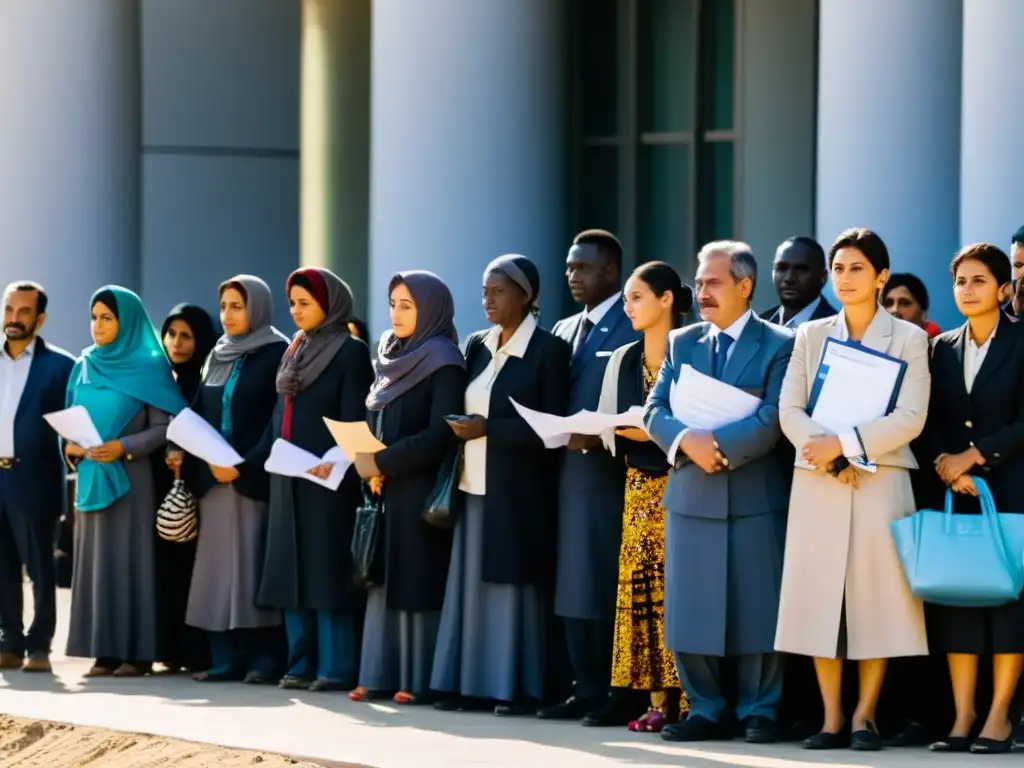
(404, 697)
(360, 693)
(656, 720)
(640, 724)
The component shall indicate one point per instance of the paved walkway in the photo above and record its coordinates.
(329, 728)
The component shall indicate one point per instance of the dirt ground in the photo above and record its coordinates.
(39, 744)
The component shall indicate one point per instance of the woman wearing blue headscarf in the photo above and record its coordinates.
(124, 381)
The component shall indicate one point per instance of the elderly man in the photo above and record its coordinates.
(726, 500)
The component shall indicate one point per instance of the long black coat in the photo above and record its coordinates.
(308, 562)
(521, 505)
(413, 563)
(251, 406)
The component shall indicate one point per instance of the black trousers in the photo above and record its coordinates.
(27, 535)
(590, 645)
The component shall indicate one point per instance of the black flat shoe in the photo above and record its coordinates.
(992, 746)
(825, 740)
(952, 744)
(866, 739)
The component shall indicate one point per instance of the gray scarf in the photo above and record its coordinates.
(259, 306)
(310, 353)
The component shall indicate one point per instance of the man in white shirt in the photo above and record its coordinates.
(33, 382)
(590, 489)
(726, 500)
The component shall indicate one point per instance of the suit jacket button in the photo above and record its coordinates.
(969, 424)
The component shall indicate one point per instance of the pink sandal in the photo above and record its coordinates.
(655, 721)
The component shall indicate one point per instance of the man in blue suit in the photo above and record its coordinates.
(726, 500)
(33, 380)
(591, 487)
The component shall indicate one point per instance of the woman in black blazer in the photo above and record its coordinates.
(975, 428)
(656, 302)
(421, 378)
(490, 647)
(326, 373)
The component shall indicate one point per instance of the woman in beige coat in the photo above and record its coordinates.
(843, 590)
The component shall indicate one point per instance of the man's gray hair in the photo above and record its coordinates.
(741, 259)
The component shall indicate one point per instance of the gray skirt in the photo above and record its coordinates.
(491, 641)
(398, 647)
(229, 561)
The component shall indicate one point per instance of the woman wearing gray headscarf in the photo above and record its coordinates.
(490, 648)
(421, 378)
(237, 398)
(307, 570)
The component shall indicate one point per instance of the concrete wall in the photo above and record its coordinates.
(220, 148)
(777, 42)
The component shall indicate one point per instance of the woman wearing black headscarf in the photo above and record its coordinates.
(188, 337)
(490, 647)
(421, 378)
(307, 570)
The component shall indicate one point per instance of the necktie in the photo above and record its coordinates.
(722, 344)
(581, 337)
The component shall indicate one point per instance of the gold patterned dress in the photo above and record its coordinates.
(640, 659)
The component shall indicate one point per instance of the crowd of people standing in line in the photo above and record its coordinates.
(667, 577)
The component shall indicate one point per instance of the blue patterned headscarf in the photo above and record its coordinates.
(113, 382)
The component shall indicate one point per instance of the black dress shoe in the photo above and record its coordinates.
(866, 739)
(759, 730)
(695, 728)
(573, 708)
(825, 740)
(613, 711)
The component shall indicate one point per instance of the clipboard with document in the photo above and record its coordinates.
(854, 385)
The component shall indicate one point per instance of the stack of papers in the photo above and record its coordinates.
(289, 460)
(704, 403)
(555, 431)
(195, 435)
(75, 425)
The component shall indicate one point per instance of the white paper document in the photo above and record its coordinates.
(703, 402)
(353, 437)
(291, 461)
(856, 387)
(194, 434)
(555, 431)
(75, 425)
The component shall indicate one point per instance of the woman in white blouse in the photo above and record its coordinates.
(490, 647)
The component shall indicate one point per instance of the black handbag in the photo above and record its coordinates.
(369, 526)
(440, 507)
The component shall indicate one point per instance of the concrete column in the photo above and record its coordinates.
(992, 141)
(468, 136)
(335, 155)
(69, 152)
(889, 132)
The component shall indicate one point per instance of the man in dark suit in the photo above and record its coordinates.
(799, 274)
(591, 487)
(33, 380)
(1015, 306)
(726, 501)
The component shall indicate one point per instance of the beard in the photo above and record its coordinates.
(19, 332)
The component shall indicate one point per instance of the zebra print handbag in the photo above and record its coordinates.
(176, 519)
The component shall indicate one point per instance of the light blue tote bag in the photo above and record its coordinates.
(968, 561)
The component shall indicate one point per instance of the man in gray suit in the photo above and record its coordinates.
(591, 485)
(726, 501)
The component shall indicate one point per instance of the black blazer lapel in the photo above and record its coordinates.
(36, 374)
(1002, 343)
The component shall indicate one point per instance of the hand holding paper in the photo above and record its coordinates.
(75, 425)
(703, 402)
(289, 460)
(195, 435)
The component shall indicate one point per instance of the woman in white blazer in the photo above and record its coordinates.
(844, 595)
